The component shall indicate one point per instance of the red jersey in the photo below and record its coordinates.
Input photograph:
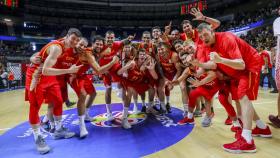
(169, 69)
(63, 61)
(107, 58)
(230, 46)
(264, 54)
(195, 38)
(150, 49)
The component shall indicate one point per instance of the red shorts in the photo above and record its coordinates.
(83, 83)
(140, 88)
(107, 80)
(248, 84)
(47, 89)
(112, 76)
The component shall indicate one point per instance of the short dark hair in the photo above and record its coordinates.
(202, 26)
(163, 44)
(75, 31)
(109, 32)
(185, 22)
(156, 28)
(141, 50)
(97, 38)
(175, 31)
(146, 32)
(179, 41)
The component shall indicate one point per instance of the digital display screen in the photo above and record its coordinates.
(186, 8)
(9, 3)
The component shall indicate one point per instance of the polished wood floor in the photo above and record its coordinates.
(201, 143)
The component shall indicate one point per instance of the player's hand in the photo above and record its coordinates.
(197, 14)
(167, 29)
(151, 65)
(169, 85)
(74, 68)
(131, 64)
(175, 82)
(116, 59)
(214, 56)
(131, 37)
(194, 82)
(36, 60)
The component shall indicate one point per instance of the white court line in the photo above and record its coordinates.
(4, 129)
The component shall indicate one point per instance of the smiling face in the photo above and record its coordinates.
(142, 56)
(82, 44)
(207, 36)
(156, 33)
(175, 35)
(187, 28)
(146, 38)
(98, 45)
(109, 38)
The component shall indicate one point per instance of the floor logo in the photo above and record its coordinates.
(101, 119)
(148, 135)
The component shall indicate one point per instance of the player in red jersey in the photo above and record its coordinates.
(111, 48)
(82, 85)
(178, 44)
(191, 33)
(128, 53)
(267, 69)
(171, 68)
(241, 62)
(139, 72)
(45, 85)
(207, 87)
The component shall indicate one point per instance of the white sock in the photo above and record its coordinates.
(87, 112)
(108, 108)
(260, 124)
(143, 103)
(247, 135)
(190, 115)
(58, 123)
(163, 106)
(236, 123)
(135, 104)
(45, 119)
(36, 132)
(125, 112)
(186, 107)
(167, 99)
(52, 124)
(82, 120)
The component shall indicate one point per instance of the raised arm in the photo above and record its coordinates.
(199, 16)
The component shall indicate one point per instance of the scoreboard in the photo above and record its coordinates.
(9, 3)
(186, 8)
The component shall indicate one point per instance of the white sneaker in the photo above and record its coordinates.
(110, 117)
(88, 118)
(126, 124)
(135, 110)
(83, 131)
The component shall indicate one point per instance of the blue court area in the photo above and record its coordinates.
(149, 134)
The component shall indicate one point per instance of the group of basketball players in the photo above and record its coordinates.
(201, 61)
